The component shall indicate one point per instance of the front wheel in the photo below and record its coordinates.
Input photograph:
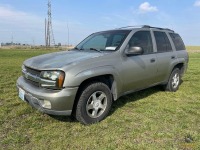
(174, 81)
(94, 103)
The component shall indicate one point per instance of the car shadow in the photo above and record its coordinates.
(63, 118)
(133, 97)
(181, 82)
(136, 96)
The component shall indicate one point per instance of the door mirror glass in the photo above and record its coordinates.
(134, 51)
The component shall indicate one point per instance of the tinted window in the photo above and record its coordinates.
(142, 39)
(178, 42)
(162, 41)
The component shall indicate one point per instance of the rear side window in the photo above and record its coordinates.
(178, 42)
(162, 41)
(142, 39)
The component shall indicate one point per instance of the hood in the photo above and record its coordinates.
(60, 59)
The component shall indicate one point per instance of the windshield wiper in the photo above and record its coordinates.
(95, 49)
(76, 48)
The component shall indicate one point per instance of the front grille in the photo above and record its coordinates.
(32, 72)
(32, 82)
(33, 77)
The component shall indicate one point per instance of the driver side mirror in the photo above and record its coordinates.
(134, 51)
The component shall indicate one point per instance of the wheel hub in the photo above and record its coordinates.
(175, 81)
(96, 104)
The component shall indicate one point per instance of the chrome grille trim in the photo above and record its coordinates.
(32, 71)
(30, 76)
(34, 76)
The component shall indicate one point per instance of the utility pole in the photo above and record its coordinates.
(49, 36)
(67, 34)
(33, 41)
(12, 38)
(45, 33)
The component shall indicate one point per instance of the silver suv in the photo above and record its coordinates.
(106, 65)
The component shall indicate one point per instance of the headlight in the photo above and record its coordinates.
(52, 79)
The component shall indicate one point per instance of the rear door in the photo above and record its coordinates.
(165, 55)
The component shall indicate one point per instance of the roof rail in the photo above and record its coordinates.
(139, 26)
(169, 29)
(146, 26)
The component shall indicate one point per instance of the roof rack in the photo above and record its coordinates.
(146, 26)
(139, 26)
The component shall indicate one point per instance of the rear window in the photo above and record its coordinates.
(162, 41)
(178, 42)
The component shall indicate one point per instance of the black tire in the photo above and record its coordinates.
(94, 103)
(174, 81)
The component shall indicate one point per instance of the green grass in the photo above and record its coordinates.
(149, 119)
(193, 48)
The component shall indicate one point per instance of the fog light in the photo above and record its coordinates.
(46, 104)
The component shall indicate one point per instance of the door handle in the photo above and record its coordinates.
(152, 60)
(173, 57)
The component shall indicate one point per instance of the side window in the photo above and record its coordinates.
(178, 42)
(142, 39)
(162, 41)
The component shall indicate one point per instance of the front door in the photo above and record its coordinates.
(139, 71)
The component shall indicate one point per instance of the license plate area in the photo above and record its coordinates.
(22, 94)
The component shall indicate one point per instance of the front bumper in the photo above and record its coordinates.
(61, 100)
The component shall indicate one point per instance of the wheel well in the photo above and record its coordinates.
(107, 79)
(180, 66)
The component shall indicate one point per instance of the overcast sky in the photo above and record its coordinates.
(24, 19)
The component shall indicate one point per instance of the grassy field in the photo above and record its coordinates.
(150, 119)
(193, 48)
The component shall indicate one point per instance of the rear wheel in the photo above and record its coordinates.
(174, 81)
(94, 103)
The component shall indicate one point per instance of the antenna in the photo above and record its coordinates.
(49, 36)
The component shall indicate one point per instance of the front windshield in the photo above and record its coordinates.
(104, 41)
